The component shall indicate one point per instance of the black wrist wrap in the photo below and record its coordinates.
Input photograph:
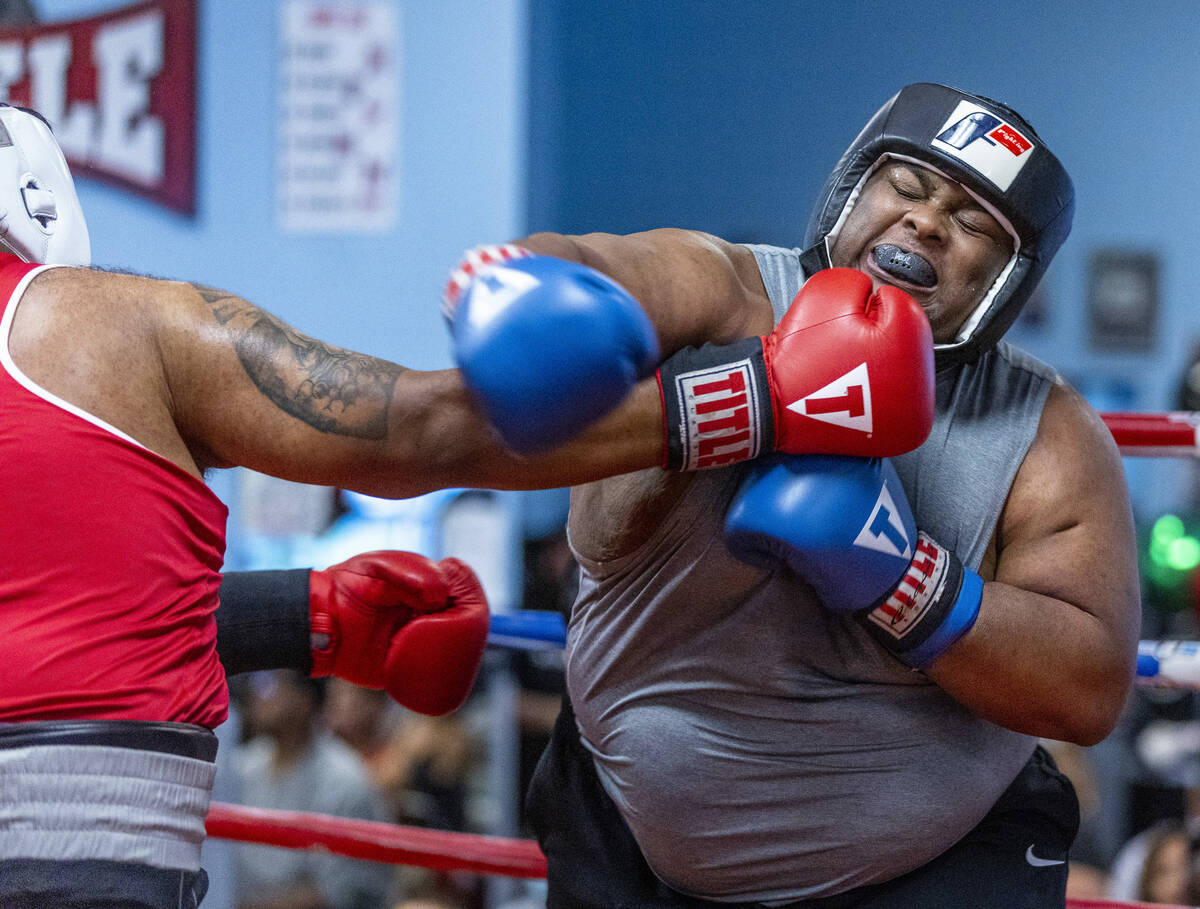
(717, 405)
(262, 621)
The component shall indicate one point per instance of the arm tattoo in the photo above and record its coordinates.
(333, 390)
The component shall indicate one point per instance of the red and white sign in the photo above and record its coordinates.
(119, 91)
(338, 129)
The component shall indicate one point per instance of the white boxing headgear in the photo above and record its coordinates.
(40, 216)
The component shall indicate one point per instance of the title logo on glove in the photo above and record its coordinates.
(846, 401)
(918, 589)
(884, 530)
(722, 424)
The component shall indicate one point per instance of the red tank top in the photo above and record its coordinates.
(111, 563)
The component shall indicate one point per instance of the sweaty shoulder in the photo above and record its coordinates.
(91, 338)
(67, 322)
(698, 289)
(695, 287)
(1072, 477)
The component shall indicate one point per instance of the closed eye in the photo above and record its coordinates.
(908, 194)
(971, 225)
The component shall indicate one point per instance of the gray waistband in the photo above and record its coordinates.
(103, 802)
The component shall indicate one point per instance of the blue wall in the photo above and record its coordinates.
(462, 95)
(462, 91)
(724, 115)
(727, 117)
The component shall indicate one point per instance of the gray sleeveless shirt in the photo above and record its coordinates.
(759, 747)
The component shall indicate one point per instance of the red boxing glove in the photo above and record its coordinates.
(401, 622)
(846, 371)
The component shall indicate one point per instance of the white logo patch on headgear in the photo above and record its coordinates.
(977, 137)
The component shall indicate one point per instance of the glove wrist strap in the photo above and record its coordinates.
(716, 406)
(936, 603)
(322, 631)
(263, 621)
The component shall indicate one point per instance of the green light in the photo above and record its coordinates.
(1183, 554)
(1158, 552)
(1167, 529)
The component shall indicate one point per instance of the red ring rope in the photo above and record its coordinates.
(440, 850)
(437, 849)
(1168, 435)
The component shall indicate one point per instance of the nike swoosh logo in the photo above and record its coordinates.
(1041, 862)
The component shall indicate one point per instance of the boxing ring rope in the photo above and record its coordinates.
(440, 850)
(1148, 435)
(1113, 904)
(436, 849)
(1160, 663)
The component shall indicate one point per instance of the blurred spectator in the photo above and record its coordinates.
(1165, 870)
(422, 902)
(429, 763)
(421, 767)
(431, 758)
(419, 764)
(437, 892)
(368, 721)
(292, 763)
(1154, 866)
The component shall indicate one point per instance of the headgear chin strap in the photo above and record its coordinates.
(996, 156)
(40, 216)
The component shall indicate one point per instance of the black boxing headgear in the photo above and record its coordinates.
(995, 156)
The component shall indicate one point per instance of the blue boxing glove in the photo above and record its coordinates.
(844, 524)
(545, 345)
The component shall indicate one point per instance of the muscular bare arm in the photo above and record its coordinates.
(207, 379)
(1052, 652)
(374, 426)
(694, 287)
(317, 413)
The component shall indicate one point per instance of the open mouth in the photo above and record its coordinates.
(904, 265)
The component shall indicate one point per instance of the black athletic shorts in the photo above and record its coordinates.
(594, 862)
(95, 884)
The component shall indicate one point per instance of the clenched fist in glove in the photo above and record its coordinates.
(401, 622)
(848, 370)
(546, 346)
(844, 525)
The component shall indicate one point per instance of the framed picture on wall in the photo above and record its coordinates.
(1122, 301)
